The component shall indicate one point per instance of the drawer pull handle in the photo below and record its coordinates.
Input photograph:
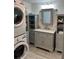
(42, 41)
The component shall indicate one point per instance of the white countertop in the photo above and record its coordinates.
(44, 30)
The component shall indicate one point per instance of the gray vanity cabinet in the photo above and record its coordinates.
(44, 40)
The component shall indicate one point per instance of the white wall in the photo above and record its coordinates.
(60, 6)
(28, 7)
(35, 8)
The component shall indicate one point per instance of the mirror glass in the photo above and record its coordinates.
(46, 17)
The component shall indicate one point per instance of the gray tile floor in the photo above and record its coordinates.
(36, 53)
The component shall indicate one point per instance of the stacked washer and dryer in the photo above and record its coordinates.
(20, 39)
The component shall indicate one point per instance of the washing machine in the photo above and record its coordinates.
(21, 47)
(19, 18)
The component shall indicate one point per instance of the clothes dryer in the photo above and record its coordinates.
(19, 19)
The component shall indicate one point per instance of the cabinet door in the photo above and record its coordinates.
(60, 42)
(38, 39)
(48, 41)
(31, 36)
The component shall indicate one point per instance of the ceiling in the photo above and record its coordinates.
(44, 1)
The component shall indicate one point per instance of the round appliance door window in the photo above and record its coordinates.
(19, 52)
(18, 15)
